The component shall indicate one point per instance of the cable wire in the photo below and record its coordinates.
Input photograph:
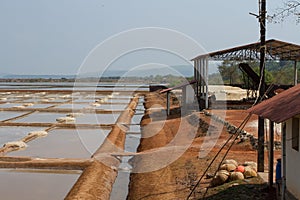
(215, 157)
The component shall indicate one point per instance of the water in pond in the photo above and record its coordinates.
(35, 186)
(120, 187)
(9, 134)
(72, 106)
(97, 118)
(40, 106)
(65, 143)
(113, 107)
(9, 114)
(41, 118)
(116, 100)
(9, 105)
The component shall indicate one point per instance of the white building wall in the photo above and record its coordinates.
(292, 164)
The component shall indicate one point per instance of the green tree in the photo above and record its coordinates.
(230, 72)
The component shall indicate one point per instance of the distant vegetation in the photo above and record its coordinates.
(281, 72)
(169, 80)
(229, 73)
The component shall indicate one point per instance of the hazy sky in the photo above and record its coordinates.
(55, 36)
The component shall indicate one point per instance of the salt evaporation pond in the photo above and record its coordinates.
(11, 133)
(72, 106)
(9, 105)
(116, 100)
(112, 107)
(35, 186)
(97, 118)
(40, 106)
(41, 118)
(65, 143)
(4, 115)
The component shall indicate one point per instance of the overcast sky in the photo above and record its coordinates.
(55, 36)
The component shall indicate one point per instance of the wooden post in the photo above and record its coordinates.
(168, 103)
(206, 82)
(271, 153)
(283, 164)
(184, 104)
(295, 73)
(200, 77)
(196, 78)
(261, 124)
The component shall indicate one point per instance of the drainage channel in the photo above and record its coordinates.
(132, 141)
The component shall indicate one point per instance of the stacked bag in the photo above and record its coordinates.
(231, 171)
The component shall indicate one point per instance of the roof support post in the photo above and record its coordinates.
(206, 82)
(283, 165)
(168, 103)
(295, 73)
(196, 77)
(271, 153)
(261, 124)
(201, 77)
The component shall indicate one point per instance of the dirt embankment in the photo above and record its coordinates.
(176, 151)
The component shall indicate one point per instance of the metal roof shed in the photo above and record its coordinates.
(281, 107)
(284, 107)
(275, 50)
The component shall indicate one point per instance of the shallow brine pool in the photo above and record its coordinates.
(65, 143)
(35, 186)
(15, 133)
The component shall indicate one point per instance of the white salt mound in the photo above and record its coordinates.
(38, 133)
(74, 115)
(28, 104)
(18, 106)
(65, 119)
(16, 144)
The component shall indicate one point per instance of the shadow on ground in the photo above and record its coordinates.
(250, 189)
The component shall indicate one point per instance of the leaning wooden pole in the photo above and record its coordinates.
(261, 141)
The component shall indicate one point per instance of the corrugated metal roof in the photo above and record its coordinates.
(276, 50)
(280, 107)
